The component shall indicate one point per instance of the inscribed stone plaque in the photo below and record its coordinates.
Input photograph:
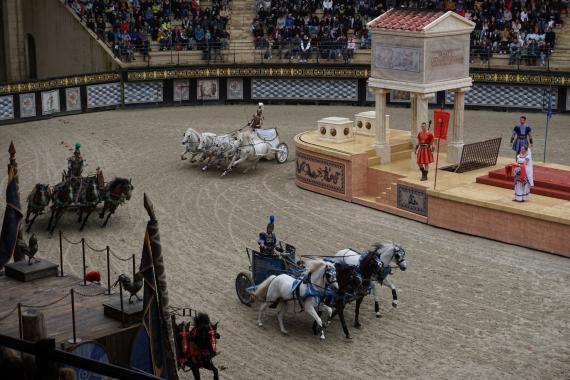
(181, 90)
(326, 174)
(28, 105)
(397, 58)
(412, 199)
(235, 88)
(208, 89)
(73, 99)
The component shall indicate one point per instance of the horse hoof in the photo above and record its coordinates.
(378, 315)
(357, 325)
(395, 304)
(322, 336)
(285, 332)
(348, 337)
(259, 324)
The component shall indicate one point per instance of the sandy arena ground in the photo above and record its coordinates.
(469, 307)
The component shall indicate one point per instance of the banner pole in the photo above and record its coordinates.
(436, 164)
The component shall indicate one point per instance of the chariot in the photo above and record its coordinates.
(279, 150)
(263, 266)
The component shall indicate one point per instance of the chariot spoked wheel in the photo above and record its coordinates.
(243, 283)
(283, 154)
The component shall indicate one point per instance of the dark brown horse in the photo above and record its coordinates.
(61, 198)
(117, 192)
(89, 198)
(38, 200)
(196, 347)
(354, 284)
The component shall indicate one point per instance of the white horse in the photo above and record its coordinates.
(191, 141)
(250, 150)
(309, 290)
(389, 252)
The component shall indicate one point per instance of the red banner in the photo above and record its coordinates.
(441, 121)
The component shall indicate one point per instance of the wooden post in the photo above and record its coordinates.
(33, 325)
(134, 268)
(108, 271)
(60, 254)
(84, 267)
(20, 320)
(122, 306)
(46, 369)
(74, 339)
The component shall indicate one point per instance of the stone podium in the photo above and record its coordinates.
(421, 52)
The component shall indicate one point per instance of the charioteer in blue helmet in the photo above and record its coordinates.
(268, 242)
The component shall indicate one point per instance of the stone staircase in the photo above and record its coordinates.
(239, 27)
(560, 58)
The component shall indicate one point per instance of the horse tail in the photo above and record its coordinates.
(261, 291)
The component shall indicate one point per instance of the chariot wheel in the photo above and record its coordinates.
(283, 154)
(243, 282)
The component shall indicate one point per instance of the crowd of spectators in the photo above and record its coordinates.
(295, 31)
(130, 25)
(523, 29)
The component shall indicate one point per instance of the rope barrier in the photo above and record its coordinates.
(94, 249)
(100, 292)
(119, 258)
(47, 304)
(8, 313)
(69, 241)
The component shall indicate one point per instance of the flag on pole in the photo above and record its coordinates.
(549, 106)
(153, 346)
(12, 218)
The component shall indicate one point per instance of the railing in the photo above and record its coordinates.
(47, 356)
(248, 53)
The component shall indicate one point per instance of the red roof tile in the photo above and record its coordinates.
(406, 19)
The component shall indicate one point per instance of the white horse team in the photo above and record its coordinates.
(319, 279)
(229, 151)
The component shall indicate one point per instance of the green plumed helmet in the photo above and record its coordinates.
(77, 145)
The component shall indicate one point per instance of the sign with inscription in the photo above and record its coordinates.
(397, 58)
(412, 199)
(326, 174)
(446, 57)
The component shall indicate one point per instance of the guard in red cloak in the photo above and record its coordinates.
(424, 150)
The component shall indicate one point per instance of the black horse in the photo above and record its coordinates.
(89, 198)
(354, 284)
(196, 347)
(61, 198)
(38, 200)
(117, 192)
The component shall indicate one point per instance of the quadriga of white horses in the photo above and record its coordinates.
(278, 290)
(191, 141)
(249, 150)
(389, 252)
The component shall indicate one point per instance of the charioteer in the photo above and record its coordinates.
(268, 242)
(257, 119)
(75, 163)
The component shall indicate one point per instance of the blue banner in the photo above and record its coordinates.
(148, 354)
(12, 219)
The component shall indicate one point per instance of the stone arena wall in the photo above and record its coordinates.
(233, 84)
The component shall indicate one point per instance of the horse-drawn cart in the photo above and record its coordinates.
(261, 267)
(270, 136)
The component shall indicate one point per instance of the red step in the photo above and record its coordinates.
(549, 182)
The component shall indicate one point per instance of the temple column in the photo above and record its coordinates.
(455, 142)
(381, 139)
(420, 114)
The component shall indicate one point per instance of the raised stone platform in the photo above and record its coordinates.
(550, 182)
(353, 172)
(22, 271)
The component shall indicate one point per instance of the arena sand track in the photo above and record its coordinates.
(469, 307)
